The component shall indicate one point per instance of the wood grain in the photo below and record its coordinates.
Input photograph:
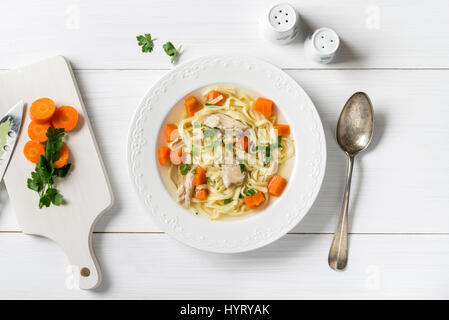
(157, 267)
(101, 34)
(400, 184)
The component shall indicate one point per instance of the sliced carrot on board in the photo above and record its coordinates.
(201, 194)
(65, 117)
(214, 94)
(242, 143)
(264, 106)
(255, 200)
(163, 155)
(276, 185)
(282, 129)
(42, 110)
(169, 128)
(63, 157)
(33, 150)
(38, 131)
(199, 177)
(192, 105)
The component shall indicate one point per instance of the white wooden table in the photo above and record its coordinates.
(395, 51)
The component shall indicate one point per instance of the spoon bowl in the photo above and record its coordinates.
(356, 123)
(354, 132)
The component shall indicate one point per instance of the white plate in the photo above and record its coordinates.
(224, 235)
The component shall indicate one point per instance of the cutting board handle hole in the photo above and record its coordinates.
(85, 272)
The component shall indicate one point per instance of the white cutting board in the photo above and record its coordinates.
(86, 189)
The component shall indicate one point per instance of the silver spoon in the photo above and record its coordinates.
(354, 132)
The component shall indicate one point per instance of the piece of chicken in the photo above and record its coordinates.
(185, 188)
(224, 122)
(232, 174)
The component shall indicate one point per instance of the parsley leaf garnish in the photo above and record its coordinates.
(227, 201)
(171, 51)
(43, 176)
(242, 167)
(250, 192)
(184, 168)
(146, 42)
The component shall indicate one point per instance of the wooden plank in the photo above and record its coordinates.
(101, 34)
(295, 267)
(399, 183)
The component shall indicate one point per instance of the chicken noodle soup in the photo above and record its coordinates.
(224, 154)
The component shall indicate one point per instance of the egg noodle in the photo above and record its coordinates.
(210, 148)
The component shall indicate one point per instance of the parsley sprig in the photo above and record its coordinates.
(170, 50)
(43, 177)
(146, 42)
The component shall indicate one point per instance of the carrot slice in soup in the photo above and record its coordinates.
(63, 157)
(169, 128)
(163, 155)
(192, 105)
(276, 185)
(33, 150)
(264, 106)
(42, 110)
(201, 194)
(199, 177)
(65, 117)
(214, 94)
(255, 200)
(242, 143)
(176, 156)
(282, 129)
(37, 131)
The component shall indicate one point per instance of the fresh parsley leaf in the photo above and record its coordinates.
(54, 196)
(227, 201)
(58, 199)
(53, 144)
(43, 176)
(250, 192)
(209, 180)
(242, 167)
(194, 171)
(171, 51)
(146, 42)
(62, 172)
(267, 151)
(35, 182)
(184, 168)
(44, 201)
(43, 169)
(279, 141)
(240, 196)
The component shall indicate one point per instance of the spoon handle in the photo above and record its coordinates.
(338, 253)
